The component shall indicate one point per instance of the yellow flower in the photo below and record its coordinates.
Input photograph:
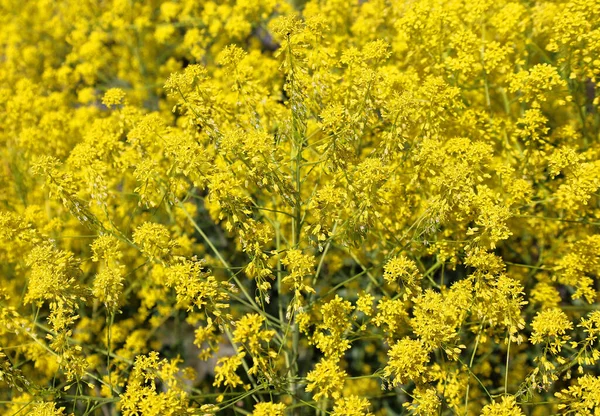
(327, 379)
(351, 406)
(403, 271)
(407, 362)
(269, 409)
(506, 407)
(113, 97)
(550, 326)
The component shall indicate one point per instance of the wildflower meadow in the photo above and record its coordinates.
(286, 208)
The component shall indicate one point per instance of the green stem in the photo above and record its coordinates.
(470, 366)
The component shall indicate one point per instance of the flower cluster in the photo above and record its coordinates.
(278, 207)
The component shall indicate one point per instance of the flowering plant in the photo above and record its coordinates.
(327, 207)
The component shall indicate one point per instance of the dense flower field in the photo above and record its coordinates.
(267, 207)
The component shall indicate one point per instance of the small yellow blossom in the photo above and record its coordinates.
(269, 409)
(407, 362)
(506, 407)
(351, 406)
(113, 97)
(327, 379)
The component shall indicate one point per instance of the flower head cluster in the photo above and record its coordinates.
(293, 202)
